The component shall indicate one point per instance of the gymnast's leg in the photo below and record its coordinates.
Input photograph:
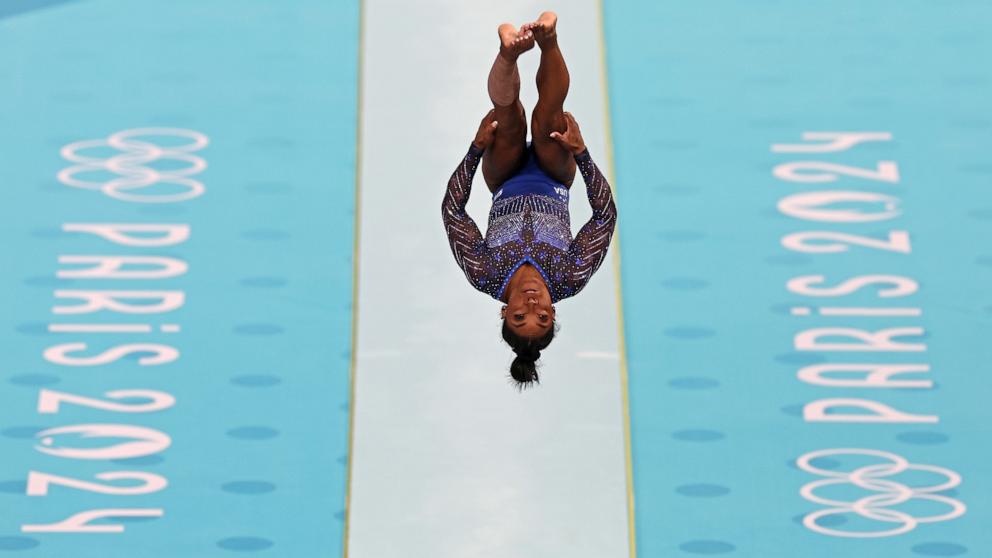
(548, 115)
(508, 152)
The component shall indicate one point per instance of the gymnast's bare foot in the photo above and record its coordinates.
(513, 43)
(544, 29)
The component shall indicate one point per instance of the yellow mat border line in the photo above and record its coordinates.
(356, 260)
(622, 347)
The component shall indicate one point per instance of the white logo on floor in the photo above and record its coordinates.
(876, 507)
(129, 165)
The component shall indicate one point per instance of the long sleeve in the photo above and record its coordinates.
(467, 243)
(589, 247)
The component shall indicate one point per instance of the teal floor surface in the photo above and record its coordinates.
(806, 321)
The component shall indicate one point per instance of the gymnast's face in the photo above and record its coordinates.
(528, 311)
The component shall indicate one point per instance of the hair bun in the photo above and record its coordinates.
(523, 370)
(528, 351)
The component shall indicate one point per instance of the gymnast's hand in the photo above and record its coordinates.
(571, 139)
(487, 131)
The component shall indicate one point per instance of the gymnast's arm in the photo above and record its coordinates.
(467, 243)
(589, 247)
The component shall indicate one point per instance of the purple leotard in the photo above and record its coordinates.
(531, 180)
(529, 223)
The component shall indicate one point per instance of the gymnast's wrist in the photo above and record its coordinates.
(582, 156)
(476, 150)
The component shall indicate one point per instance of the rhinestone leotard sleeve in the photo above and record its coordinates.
(589, 247)
(467, 243)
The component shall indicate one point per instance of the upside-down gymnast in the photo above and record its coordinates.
(528, 258)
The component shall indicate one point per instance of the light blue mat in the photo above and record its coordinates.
(699, 94)
(257, 436)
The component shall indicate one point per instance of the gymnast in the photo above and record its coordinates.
(528, 258)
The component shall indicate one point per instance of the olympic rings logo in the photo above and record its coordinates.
(130, 167)
(876, 507)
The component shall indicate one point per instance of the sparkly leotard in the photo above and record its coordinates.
(529, 228)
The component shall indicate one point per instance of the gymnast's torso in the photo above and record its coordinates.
(529, 223)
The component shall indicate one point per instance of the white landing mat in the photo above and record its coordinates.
(448, 460)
